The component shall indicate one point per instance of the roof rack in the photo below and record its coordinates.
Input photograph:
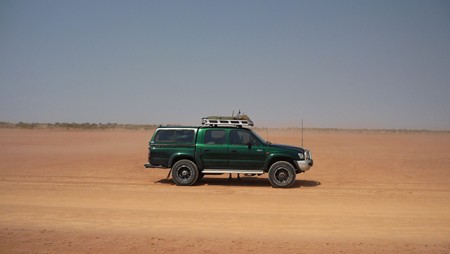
(233, 121)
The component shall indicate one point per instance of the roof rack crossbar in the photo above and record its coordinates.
(236, 121)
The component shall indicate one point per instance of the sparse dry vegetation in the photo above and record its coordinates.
(78, 126)
(109, 126)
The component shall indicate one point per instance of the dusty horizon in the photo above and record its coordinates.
(149, 126)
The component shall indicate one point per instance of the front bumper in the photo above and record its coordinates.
(307, 163)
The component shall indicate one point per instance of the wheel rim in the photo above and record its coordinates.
(184, 173)
(281, 175)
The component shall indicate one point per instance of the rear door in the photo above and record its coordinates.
(214, 151)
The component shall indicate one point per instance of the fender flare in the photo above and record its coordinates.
(271, 158)
(179, 156)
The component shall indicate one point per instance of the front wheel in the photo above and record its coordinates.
(184, 172)
(282, 174)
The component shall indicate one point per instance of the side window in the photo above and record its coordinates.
(242, 137)
(165, 136)
(215, 137)
(185, 136)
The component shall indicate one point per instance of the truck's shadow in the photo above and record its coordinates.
(244, 181)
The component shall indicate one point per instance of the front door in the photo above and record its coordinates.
(245, 150)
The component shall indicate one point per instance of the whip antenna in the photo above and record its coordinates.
(302, 131)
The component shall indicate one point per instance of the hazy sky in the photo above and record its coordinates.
(345, 64)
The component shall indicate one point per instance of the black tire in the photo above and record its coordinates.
(184, 172)
(282, 174)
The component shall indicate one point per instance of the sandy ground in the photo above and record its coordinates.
(88, 192)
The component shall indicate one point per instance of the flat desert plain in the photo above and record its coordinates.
(64, 191)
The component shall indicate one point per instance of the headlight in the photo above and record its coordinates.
(302, 156)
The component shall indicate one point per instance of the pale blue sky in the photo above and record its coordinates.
(344, 64)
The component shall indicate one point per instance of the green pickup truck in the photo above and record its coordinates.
(193, 152)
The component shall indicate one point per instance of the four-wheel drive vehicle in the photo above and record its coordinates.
(193, 152)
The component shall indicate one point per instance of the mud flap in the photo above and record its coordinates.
(170, 171)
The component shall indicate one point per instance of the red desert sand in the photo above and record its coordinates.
(88, 192)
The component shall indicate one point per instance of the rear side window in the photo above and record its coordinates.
(184, 136)
(174, 136)
(165, 136)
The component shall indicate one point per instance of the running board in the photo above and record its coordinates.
(148, 165)
(232, 171)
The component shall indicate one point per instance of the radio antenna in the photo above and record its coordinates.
(302, 131)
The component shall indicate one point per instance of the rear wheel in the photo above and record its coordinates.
(282, 174)
(184, 172)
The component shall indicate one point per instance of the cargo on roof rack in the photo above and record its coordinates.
(235, 121)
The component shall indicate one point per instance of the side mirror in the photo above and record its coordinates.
(249, 145)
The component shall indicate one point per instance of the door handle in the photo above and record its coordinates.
(206, 150)
(233, 151)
